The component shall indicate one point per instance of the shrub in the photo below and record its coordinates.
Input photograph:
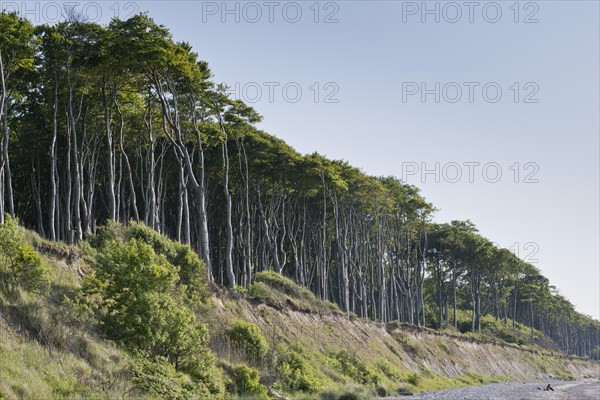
(249, 337)
(139, 301)
(190, 268)
(64, 388)
(414, 379)
(279, 282)
(192, 273)
(261, 291)
(245, 381)
(105, 234)
(280, 291)
(354, 368)
(159, 243)
(31, 270)
(25, 266)
(388, 370)
(160, 377)
(295, 372)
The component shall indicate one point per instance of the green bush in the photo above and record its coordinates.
(64, 388)
(260, 290)
(295, 373)
(280, 291)
(192, 273)
(414, 379)
(160, 377)
(31, 270)
(354, 368)
(159, 243)
(191, 269)
(248, 337)
(463, 320)
(106, 233)
(245, 381)
(10, 239)
(25, 266)
(388, 370)
(140, 303)
(279, 282)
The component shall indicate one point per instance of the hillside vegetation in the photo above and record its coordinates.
(128, 314)
(123, 123)
(146, 189)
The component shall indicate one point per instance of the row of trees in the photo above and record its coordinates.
(120, 122)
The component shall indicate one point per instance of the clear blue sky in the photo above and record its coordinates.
(373, 57)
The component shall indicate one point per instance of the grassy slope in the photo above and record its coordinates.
(404, 358)
(67, 359)
(44, 352)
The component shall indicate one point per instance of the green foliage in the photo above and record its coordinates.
(249, 337)
(54, 355)
(16, 42)
(497, 329)
(190, 269)
(160, 377)
(389, 371)
(140, 302)
(414, 379)
(31, 270)
(192, 273)
(353, 367)
(295, 372)
(239, 289)
(159, 243)
(134, 77)
(245, 381)
(280, 283)
(10, 239)
(477, 377)
(280, 292)
(259, 290)
(25, 266)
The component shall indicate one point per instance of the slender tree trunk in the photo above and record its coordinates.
(245, 225)
(36, 193)
(8, 174)
(152, 209)
(184, 229)
(77, 178)
(68, 179)
(53, 172)
(110, 162)
(127, 164)
(229, 244)
(174, 134)
(454, 322)
(3, 97)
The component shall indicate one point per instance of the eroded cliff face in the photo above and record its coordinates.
(406, 349)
